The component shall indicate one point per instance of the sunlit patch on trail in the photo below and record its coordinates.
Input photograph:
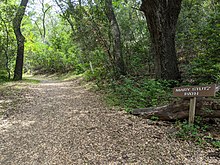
(6, 125)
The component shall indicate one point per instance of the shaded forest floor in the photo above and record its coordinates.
(64, 123)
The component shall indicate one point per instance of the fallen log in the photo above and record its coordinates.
(207, 108)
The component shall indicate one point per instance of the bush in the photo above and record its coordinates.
(200, 132)
(206, 67)
(133, 93)
(3, 76)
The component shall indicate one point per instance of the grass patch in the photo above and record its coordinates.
(67, 76)
(29, 81)
(57, 76)
(26, 79)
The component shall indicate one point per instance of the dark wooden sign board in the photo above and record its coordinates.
(193, 92)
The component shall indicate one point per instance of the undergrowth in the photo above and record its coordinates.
(199, 132)
(130, 93)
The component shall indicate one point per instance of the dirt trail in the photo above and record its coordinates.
(63, 123)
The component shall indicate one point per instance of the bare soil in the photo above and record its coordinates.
(64, 123)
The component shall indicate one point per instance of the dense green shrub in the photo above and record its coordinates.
(44, 58)
(206, 67)
(3, 75)
(139, 93)
(198, 43)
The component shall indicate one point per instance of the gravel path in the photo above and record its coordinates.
(63, 123)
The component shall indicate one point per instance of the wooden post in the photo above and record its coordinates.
(192, 109)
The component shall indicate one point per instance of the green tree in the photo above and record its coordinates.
(116, 37)
(7, 48)
(134, 38)
(197, 41)
(206, 66)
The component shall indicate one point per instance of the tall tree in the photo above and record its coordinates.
(162, 16)
(20, 39)
(116, 37)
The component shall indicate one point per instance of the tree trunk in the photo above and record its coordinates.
(162, 16)
(208, 108)
(20, 39)
(44, 11)
(116, 36)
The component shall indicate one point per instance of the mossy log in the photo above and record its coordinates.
(207, 108)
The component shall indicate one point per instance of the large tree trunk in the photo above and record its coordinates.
(116, 36)
(208, 108)
(20, 39)
(162, 16)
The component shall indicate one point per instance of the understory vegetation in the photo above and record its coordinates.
(139, 92)
(203, 132)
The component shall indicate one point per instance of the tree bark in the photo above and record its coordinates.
(208, 108)
(20, 39)
(162, 16)
(116, 36)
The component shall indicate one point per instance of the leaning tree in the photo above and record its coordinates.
(20, 39)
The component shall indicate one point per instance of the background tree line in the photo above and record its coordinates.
(116, 40)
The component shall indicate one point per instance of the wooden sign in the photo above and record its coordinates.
(195, 91)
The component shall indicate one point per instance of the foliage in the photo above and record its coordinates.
(190, 132)
(216, 144)
(3, 76)
(154, 118)
(7, 39)
(93, 36)
(206, 67)
(57, 54)
(135, 38)
(138, 93)
(198, 132)
(198, 41)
